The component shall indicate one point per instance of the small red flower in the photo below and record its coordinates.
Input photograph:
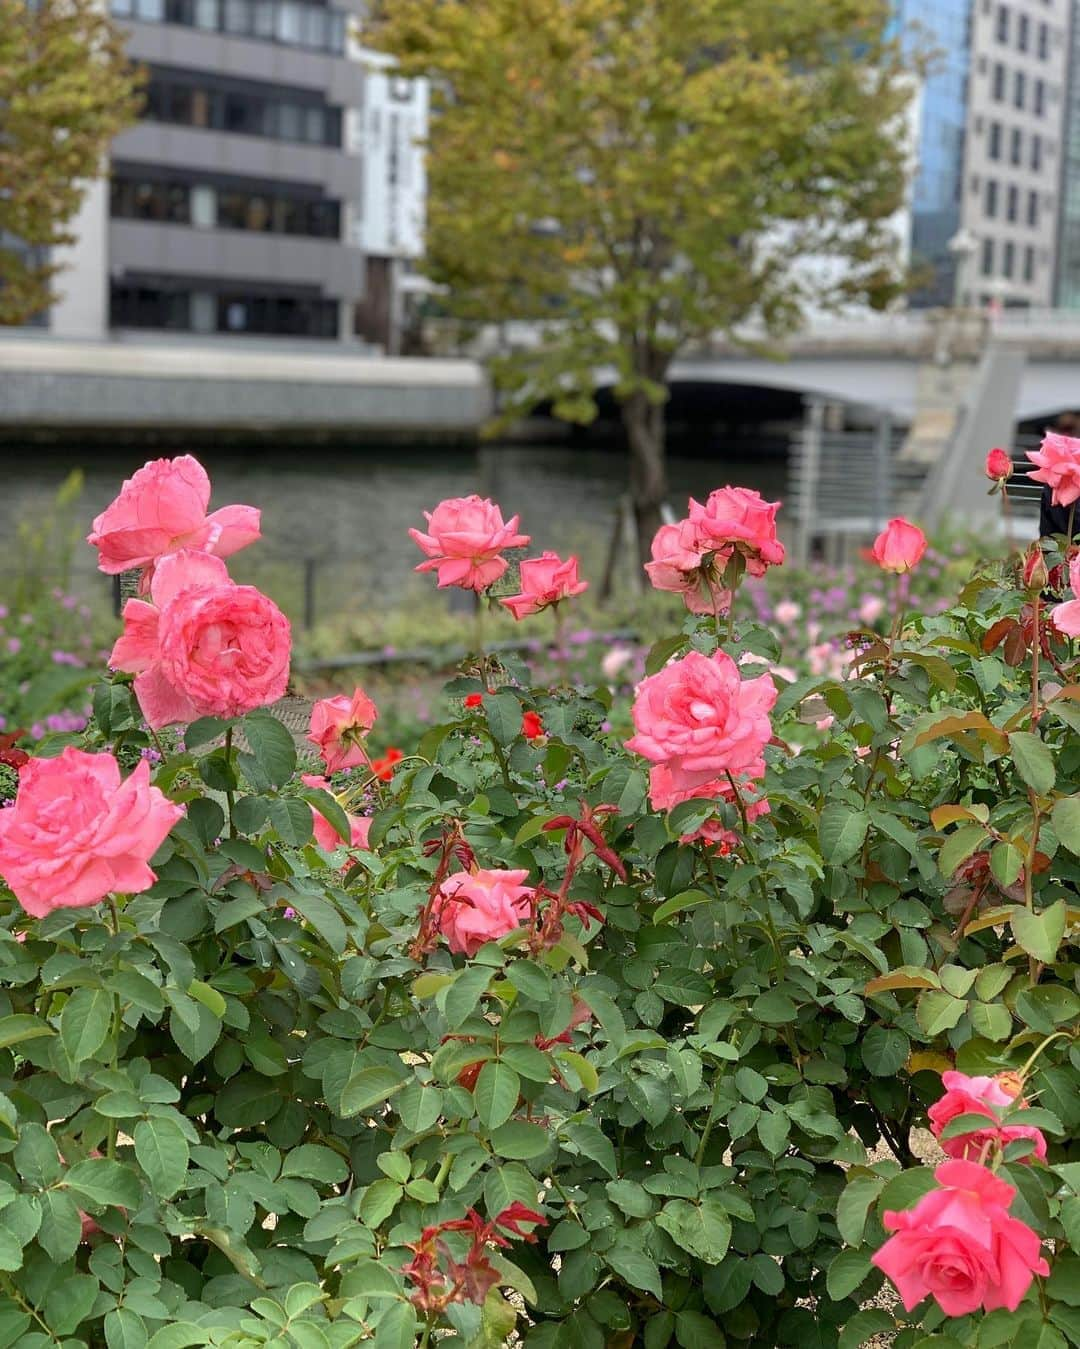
(999, 465)
(9, 754)
(474, 700)
(532, 728)
(384, 768)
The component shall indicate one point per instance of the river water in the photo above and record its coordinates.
(350, 510)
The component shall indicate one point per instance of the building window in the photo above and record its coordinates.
(1019, 88)
(1002, 29)
(975, 182)
(298, 25)
(1033, 209)
(230, 208)
(1036, 152)
(993, 149)
(1008, 257)
(1022, 32)
(1029, 263)
(1044, 41)
(220, 105)
(998, 92)
(991, 197)
(175, 304)
(988, 257)
(1012, 203)
(1016, 141)
(1040, 95)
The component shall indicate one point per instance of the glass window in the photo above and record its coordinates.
(314, 26)
(1036, 153)
(264, 19)
(206, 14)
(988, 257)
(289, 119)
(203, 207)
(233, 315)
(1022, 32)
(237, 17)
(231, 210)
(257, 214)
(1002, 29)
(1044, 41)
(150, 11)
(335, 40)
(1033, 208)
(1040, 95)
(1016, 145)
(1012, 206)
(1029, 263)
(991, 197)
(1008, 257)
(1019, 88)
(288, 23)
(314, 126)
(178, 204)
(203, 312)
(999, 81)
(994, 148)
(120, 8)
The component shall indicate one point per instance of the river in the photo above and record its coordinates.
(350, 510)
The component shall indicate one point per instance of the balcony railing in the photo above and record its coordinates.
(314, 27)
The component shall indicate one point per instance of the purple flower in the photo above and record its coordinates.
(14, 646)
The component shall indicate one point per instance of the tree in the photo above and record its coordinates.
(641, 174)
(66, 89)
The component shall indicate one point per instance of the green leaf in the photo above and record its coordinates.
(69, 1302)
(593, 1143)
(853, 1206)
(702, 1229)
(162, 1151)
(752, 1086)
(1033, 761)
(323, 917)
(106, 1182)
(17, 1029)
(635, 1268)
(312, 1161)
(85, 1022)
(496, 1093)
(368, 1088)
(884, 1051)
(693, 1330)
(291, 817)
(1040, 933)
(662, 651)
(906, 1189)
(864, 1326)
(36, 1157)
(847, 1271)
(1066, 820)
(503, 712)
(272, 747)
(841, 832)
(61, 1226)
(124, 1329)
(773, 1129)
(520, 1141)
(397, 1327)
(938, 1011)
(684, 987)
(460, 998)
(774, 1008)
(331, 809)
(179, 1335)
(686, 899)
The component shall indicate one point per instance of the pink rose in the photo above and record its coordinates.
(700, 719)
(1058, 461)
(736, 519)
(326, 836)
(787, 612)
(338, 727)
(1066, 617)
(465, 537)
(163, 509)
(899, 546)
(482, 906)
(77, 833)
(545, 580)
(999, 465)
(205, 646)
(871, 609)
(975, 1096)
(679, 566)
(664, 795)
(959, 1246)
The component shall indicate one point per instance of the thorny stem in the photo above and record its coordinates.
(229, 791)
(1069, 531)
(1057, 1035)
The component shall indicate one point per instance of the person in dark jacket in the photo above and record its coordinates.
(1055, 519)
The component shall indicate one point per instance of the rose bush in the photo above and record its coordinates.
(505, 1047)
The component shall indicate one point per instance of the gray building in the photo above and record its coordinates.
(236, 206)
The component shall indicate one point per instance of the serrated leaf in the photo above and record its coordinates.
(496, 1093)
(85, 1022)
(636, 1268)
(1040, 933)
(841, 832)
(1033, 761)
(847, 1271)
(162, 1151)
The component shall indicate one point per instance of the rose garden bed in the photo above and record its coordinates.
(537, 1029)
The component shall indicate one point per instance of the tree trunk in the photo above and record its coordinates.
(644, 425)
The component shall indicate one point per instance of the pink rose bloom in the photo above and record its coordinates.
(1066, 617)
(999, 465)
(338, 727)
(482, 906)
(787, 612)
(1058, 465)
(738, 519)
(665, 795)
(975, 1096)
(959, 1246)
(545, 580)
(678, 566)
(163, 509)
(899, 546)
(77, 833)
(871, 609)
(464, 540)
(326, 836)
(615, 660)
(205, 646)
(700, 719)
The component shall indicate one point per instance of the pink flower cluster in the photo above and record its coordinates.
(966, 1095)
(465, 541)
(690, 558)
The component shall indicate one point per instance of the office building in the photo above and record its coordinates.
(244, 202)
